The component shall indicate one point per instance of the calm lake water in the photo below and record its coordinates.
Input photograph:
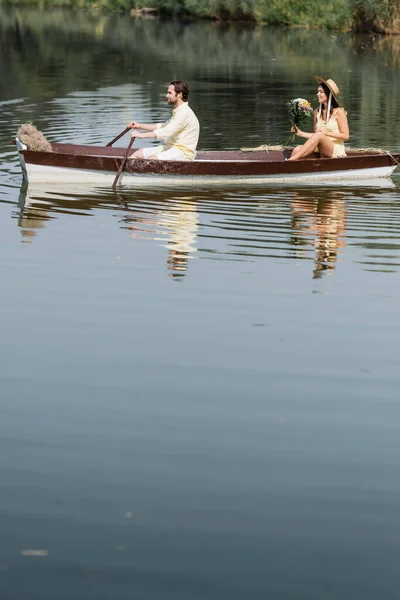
(199, 388)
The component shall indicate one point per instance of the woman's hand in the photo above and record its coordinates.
(297, 131)
(134, 125)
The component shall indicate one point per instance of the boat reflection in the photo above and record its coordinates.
(160, 216)
(241, 225)
(30, 220)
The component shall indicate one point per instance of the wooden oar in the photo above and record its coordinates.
(118, 136)
(122, 165)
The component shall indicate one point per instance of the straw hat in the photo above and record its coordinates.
(330, 84)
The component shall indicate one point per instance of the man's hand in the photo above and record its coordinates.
(134, 125)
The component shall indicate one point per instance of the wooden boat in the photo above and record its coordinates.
(74, 163)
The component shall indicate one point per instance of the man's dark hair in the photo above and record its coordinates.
(181, 87)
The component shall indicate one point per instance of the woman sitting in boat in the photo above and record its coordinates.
(331, 128)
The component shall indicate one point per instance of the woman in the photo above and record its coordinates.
(331, 128)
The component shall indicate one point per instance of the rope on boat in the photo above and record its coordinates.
(393, 158)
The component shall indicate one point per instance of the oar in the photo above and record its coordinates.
(122, 165)
(118, 136)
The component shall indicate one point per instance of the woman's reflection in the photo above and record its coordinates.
(320, 220)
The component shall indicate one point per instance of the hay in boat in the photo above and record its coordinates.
(280, 148)
(267, 148)
(33, 138)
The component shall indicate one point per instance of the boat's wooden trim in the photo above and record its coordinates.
(219, 163)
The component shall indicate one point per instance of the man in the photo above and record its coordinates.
(180, 133)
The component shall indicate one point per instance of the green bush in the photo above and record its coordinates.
(305, 13)
(380, 16)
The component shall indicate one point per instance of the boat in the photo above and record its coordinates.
(106, 165)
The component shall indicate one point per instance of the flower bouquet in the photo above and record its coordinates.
(299, 109)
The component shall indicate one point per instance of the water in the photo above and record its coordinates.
(199, 388)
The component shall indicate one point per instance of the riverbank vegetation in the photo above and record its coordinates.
(56, 56)
(377, 16)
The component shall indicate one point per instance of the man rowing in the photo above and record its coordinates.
(180, 133)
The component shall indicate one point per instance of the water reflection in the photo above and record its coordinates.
(182, 222)
(321, 222)
(30, 219)
(176, 224)
(305, 223)
(55, 75)
(168, 401)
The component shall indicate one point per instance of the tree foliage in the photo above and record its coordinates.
(378, 16)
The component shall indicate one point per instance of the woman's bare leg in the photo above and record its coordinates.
(295, 151)
(317, 140)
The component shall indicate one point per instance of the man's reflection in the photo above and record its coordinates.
(178, 223)
(174, 221)
(320, 220)
(182, 222)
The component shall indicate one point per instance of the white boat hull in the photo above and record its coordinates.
(48, 174)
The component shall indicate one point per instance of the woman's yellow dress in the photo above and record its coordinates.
(332, 125)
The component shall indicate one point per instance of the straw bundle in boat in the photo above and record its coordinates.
(279, 148)
(33, 138)
(267, 148)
